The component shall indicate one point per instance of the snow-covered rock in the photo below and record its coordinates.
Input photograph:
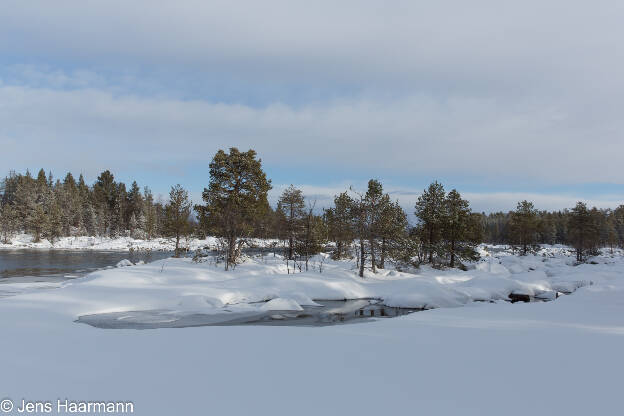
(281, 304)
(124, 263)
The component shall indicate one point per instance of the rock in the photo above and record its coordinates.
(518, 297)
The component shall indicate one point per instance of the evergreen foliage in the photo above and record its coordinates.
(523, 225)
(52, 209)
(236, 196)
(431, 213)
(177, 213)
(291, 209)
(368, 226)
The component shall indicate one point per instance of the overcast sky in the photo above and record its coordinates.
(503, 100)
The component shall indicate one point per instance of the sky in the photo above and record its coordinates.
(502, 100)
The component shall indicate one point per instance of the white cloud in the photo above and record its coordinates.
(484, 91)
(476, 46)
(479, 201)
(415, 135)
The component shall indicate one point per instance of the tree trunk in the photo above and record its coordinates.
(231, 256)
(579, 251)
(177, 249)
(382, 260)
(361, 258)
(372, 250)
(431, 245)
(290, 247)
(453, 253)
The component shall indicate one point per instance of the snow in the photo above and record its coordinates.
(475, 358)
(25, 241)
(124, 263)
(280, 304)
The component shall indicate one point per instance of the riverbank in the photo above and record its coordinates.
(25, 241)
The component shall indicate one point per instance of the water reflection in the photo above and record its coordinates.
(330, 313)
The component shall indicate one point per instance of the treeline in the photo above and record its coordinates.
(368, 225)
(586, 229)
(49, 208)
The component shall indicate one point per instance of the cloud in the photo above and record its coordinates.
(410, 136)
(480, 46)
(479, 201)
(484, 93)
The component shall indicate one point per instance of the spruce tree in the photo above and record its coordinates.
(37, 222)
(54, 224)
(150, 213)
(8, 223)
(105, 198)
(133, 208)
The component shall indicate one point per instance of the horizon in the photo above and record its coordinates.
(323, 196)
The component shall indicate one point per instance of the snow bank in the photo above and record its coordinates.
(24, 241)
(183, 285)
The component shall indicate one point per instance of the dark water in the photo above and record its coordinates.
(330, 313)
(32, 265)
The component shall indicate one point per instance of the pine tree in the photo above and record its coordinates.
(523, 225)
(583, 230)
(376, 202)
(178, 210)
(430, 212)
(359, 211)
(457, 227)
(618, 215)
(340, 222)
(312, 237)
(612, 234)
(392, 227)
(291, 207)
(237, 194)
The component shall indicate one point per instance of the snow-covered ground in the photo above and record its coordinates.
(560, 357)
(25, 241)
